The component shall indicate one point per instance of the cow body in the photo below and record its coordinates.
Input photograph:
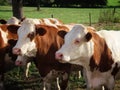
(5, 56)
(97, 52)
(41, 42)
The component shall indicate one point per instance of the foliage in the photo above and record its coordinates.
(113, 3)
(30, 2)
(67, 3)
(4, 2)
(108, 16)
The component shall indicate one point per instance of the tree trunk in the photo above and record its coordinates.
(17, 8)
(38, 5)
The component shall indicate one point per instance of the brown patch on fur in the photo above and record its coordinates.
(50, 38)
(10, 34)
(62, 27)
(31, 36)
(102, 58)
(42, 21)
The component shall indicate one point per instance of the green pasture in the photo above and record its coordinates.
(67, 15)
(113, 3)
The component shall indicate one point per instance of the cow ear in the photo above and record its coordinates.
(2, 21)
(41, 31)
(88, 36)
(62, 33)
(13, 28)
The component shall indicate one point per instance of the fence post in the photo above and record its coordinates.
(90, 19)
(51, 15)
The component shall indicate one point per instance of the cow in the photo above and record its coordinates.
(41, 42)
(5, 55)
(14, 20)
(97, 51)
(44, 21)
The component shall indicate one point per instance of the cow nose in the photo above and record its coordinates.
(59, 56)
(18, 63)
(16, 51)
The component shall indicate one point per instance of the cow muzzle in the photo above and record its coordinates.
(58, 56)
(16, 51)
(18, 63)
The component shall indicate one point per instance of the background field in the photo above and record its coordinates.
(113, 3)
(67, 15)
(15, 79)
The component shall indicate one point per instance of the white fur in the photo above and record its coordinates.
(112, 39)
(4, 36)
(13, 20)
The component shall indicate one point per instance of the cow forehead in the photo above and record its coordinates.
(76, 32)
(26, 29)
(27, 26)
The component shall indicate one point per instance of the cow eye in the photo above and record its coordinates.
(31, 35)
(77, 41)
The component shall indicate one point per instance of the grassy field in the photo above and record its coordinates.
(113, 3)
(67, 15)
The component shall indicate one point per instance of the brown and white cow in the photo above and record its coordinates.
(98, 52)
(5, 46)
(44, 21)
(41, 42)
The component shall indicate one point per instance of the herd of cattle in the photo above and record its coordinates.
(55, 48)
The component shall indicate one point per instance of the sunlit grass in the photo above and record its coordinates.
(113, 3)
(67, 15)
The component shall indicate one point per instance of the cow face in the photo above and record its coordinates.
(26, 43)
(76, 45)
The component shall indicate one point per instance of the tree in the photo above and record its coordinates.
(17, 7)
(38, 5)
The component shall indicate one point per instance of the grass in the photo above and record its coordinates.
(67, 15)
(113, 3)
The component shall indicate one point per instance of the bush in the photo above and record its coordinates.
(108, 16)
(4, 2)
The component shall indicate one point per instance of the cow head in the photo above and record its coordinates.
(26, 35)
(76, 45)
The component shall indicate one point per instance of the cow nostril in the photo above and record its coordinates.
(18, 63)
(16, 51)
(59, 55)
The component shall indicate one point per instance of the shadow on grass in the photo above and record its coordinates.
(5, 10)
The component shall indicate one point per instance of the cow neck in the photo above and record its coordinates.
(47, 42)
(102, 57)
